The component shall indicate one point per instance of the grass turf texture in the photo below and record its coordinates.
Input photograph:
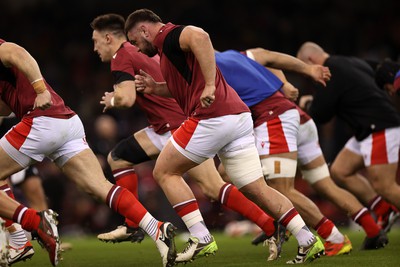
(87, 252)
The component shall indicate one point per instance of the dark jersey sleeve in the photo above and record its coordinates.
(171, 42)
(120, 76)
(173, 51)
(122, 68)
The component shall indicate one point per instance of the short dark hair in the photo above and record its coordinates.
(141, 15)
(385, 72)
(109, 22)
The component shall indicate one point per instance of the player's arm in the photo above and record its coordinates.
(146, 84)
(286, 62)
(288, 89)
(197, 41)
(12, 54)
(123, 96)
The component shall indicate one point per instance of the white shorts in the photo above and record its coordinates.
(158, 140)
(308, 147)
(378, 148)
(231, 137)
(33, 139)
(278, 135)
(199, 140)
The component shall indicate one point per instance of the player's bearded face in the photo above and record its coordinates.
(148, 48)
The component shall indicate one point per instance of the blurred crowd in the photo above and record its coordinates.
(58, 35)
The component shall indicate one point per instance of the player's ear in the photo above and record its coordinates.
(144, 30)
(108, 37)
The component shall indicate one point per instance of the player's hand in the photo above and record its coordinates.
(106, 100)
(43, 100)
(290, 92)
(207, 97)
(320, 74)
(145, 83)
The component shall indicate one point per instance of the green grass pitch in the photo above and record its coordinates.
(88, 252)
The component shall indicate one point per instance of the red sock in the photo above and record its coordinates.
(6, 189)
(28, 218)
(126, 204)
(185, 208)
(232, 198)
(324, 227)
(363, 217)
(127, 178)
(288, 216)
(379, 206)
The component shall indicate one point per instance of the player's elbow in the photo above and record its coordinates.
(124, 102)
(14, 54)
(200, 36)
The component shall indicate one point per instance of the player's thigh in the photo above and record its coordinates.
(171, 162)
(382, 176)
(151, 142)
(346, 163)
(8, 163)
(84, 169)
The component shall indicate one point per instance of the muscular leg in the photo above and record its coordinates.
(323, 185)
(212, 185)
(328, 189)
(344, 172)
(85, 170)
(307, 209)
(383, 180)
(208, 178)
(125, 155)
(8, 166)
(168, 171)
(268, 199)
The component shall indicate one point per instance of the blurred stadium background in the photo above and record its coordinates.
(58, 35)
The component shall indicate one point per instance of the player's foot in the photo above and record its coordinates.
(195, 249)
(386, 222)
(309, 253)
(379, 241)
(3, 245)
(47, 235)
(275, 242)
(332, 249)
(123, 233)
(20, 254)
(259, 239)
(166, 244)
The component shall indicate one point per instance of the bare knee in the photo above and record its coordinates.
(118, 163)
(159, 174)
(337, 174)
